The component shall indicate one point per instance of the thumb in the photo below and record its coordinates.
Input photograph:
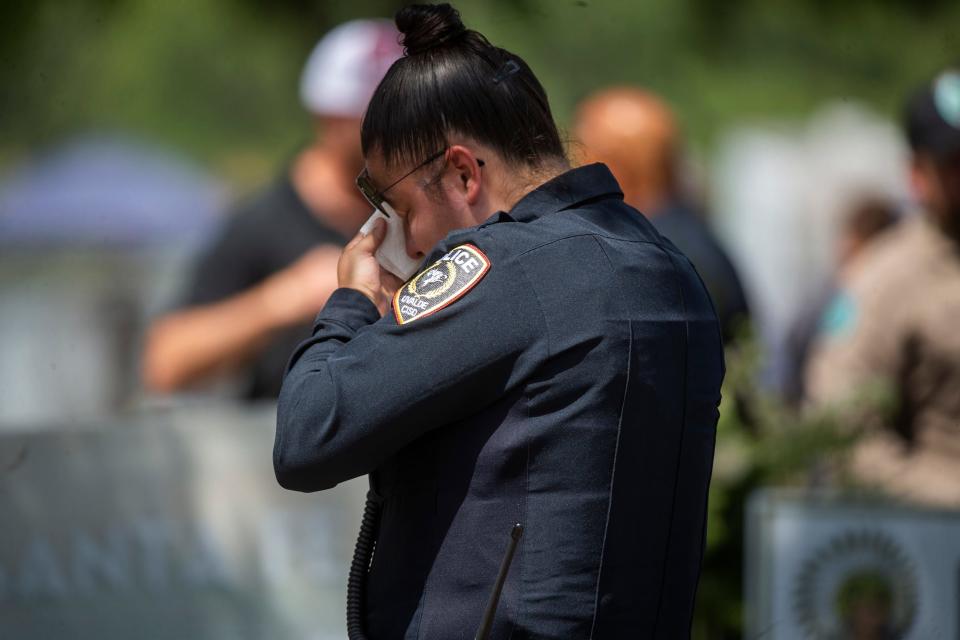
(374, 239)
(368, 243)
(379, 232)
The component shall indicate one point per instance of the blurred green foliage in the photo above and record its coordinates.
(218, 78)
(763, 442)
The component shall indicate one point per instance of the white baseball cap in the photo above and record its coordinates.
(346, 66)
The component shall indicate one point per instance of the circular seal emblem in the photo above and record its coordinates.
(861, 584)
(435, 281)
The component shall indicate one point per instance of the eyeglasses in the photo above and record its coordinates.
(375, 197)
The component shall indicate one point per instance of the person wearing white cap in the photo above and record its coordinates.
(255, 289)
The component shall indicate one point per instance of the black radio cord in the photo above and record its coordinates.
(360, 566)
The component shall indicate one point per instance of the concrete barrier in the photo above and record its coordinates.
(168, 525)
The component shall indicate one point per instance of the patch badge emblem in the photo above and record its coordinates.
(440, 284)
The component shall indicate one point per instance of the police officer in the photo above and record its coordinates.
(894, 321)
(555, 362)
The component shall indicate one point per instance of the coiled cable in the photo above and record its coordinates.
(360, 566)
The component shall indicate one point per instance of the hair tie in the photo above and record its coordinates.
(454, 34)
(509, 68)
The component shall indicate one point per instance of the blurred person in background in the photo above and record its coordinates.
(255, 290)
(636, 135)
(895, 320)
(864, 222)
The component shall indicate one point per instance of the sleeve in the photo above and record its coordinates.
(361, 387)
(861, 341)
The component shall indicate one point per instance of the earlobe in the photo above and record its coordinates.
(468, 172)
(471, 185)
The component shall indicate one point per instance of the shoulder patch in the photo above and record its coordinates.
(440, 284)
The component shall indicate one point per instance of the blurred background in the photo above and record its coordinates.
(131, 129)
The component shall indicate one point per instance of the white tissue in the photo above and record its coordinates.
(392, 254)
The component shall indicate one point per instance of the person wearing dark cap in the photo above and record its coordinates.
(255, 289)
(553, 363)
(894, 323)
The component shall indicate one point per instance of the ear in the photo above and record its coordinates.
(920, 168)
(466, 172)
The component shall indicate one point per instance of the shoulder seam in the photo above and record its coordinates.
(587, 235)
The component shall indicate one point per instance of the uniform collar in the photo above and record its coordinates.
(577, 186)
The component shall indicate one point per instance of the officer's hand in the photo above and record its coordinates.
(389, 284)
(358, 268)
(297, 293)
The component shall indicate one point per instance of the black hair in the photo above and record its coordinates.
(452, 80)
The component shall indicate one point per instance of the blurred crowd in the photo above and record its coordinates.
(836, 250)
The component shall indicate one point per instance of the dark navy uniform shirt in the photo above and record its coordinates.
(688, 231)
(572, 387)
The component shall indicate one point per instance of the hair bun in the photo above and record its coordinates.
(425, 26)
